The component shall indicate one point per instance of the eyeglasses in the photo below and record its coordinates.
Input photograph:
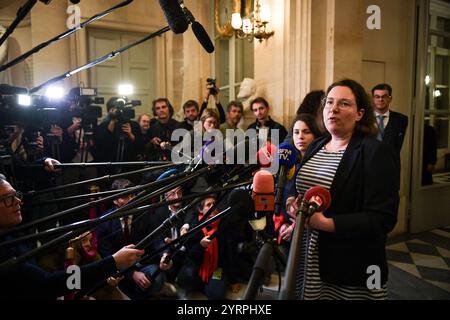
(9, 200)
(384, 97)
(341, 103)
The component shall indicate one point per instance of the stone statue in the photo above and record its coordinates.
(247, 93)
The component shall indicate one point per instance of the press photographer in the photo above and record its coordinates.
(79, 123)
(212, 90)
(118, 138)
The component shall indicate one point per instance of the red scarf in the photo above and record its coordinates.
(211, 253)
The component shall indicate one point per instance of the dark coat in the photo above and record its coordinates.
(395, 130)
(364, 207)
(27, 281)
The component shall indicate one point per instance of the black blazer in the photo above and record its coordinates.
(364, 208)
(111, 238)
(395, 130)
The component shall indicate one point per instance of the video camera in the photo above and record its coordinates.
(85, 104)
(124, 111)
(33, 117)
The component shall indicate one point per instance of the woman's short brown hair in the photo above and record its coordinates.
(366, 126)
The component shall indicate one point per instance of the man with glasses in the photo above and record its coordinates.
(27, 280)
(391, 125)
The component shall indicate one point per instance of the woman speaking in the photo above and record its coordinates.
(343, 249)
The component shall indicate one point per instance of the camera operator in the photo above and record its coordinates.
(117, 138)
(212, 90)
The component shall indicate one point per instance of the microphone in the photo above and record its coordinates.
(265, 155)
(317, 199)
(174, 15)
(199, 32)
(287, 155)
(263, 195)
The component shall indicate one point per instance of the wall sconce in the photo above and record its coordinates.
(253, 25)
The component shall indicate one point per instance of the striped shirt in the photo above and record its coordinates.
(320, 171)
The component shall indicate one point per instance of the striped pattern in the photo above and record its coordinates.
(320, 171)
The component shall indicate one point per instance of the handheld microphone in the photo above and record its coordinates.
(198, 30)
(265, 155)
(287, 155)
(317, 199)
(263, 194)
(174, 15)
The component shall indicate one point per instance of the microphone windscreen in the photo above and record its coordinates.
(263, 182)
(202, 37)
(321, 192)
(174, 15)
(265, 155)
(287, 154)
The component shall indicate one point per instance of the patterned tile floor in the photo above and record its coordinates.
(426, 256)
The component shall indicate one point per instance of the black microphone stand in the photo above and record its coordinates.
(268, 249)
(167, 224)
(21, 14)
(24, 11)
(102, 59)
(142, 244)
(70, 211)
(291, 274)
(106, 178)
(118, 214)
(15, 260)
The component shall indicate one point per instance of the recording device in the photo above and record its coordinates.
(174, 15)
(85, 104)
(211, 86)
(287, 154)
(198, 30)
(317, 199)
(263, 195)
(124, 111)
(35, 117)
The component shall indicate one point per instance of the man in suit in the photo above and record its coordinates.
(116, 233)
(391, 125)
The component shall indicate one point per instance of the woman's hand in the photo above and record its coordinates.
(319, 222)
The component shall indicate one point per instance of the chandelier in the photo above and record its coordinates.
(253, 25)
